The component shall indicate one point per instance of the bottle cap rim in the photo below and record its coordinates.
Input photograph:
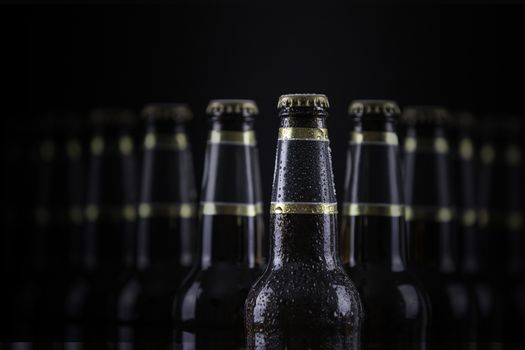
(232, 106)
(303, 100)
(386, 108)
(174, 111)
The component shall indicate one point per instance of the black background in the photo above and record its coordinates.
(84, 56)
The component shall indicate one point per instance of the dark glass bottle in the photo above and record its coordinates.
(108, 236)
(208, 308)
(501, 223)
(16, 204)
(304, 300)
(472, 247)
(42, 243)
(166, 230)
(432, 227)
(396, 308)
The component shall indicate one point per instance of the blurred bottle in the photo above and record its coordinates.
(375, 226)
(15, 214)
(304, 299)
(40, 246)
(166, 230)
(208, 309)
(108, 237)
(432, 227)
(501, 223)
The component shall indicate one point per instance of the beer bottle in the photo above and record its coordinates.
(304, 300)
(376, 229)
(14, 198)
(501, 222)
(109, 225)
(472, 247)
(166, 229)
(208, 309)
(432, 227)
(35, 278)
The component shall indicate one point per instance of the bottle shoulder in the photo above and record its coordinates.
(214, 290)
(288, 292)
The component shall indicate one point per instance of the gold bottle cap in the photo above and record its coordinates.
(174, 111)
(303, 100)
(385, 108)
(425, 115)
(244, 107)
(112, 116)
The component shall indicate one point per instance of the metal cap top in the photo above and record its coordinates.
(385, 108)
(112, 116)
(303, 100)
(243, 107)
(425, 115)
(179, 112)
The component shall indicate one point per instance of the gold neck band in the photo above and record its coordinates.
(368, 209)
(237, 209)
(123, 147)
(303, 208)
(167, 210)
(374, 137)
(305, 134)
(126, 212)
(243, 138)
(177, 141)
(435, 214)
(429, 145)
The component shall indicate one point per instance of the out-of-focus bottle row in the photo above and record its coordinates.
(105, 242)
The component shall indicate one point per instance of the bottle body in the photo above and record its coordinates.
(433, 234)
(208, 307)
(396, 307)
(304, 299)
(108, 234)
(165, 232)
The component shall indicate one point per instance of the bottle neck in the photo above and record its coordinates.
(167, 209)
(430, 209)
(304, 208)
(110, 212)
(231, 226)
(464, 178)
(373, 209)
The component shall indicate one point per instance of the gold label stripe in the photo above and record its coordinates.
(177, 141)
(245, 138)
(47, 150)
(367, 209)
(237, 209)
(305, 134)
(74, 148)
(469, 217)
(466, 149)
(164, 210)
(303, 208)
(374, 137)
(435, 145)
(99, 146)
(512, 221)
(442, 215)
(127, 212)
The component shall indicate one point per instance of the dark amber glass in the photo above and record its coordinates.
(432, 227)
(374, 231)
(108, 233)
(501, 225)
(304, 299)
(208, 310)
(166, 230)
